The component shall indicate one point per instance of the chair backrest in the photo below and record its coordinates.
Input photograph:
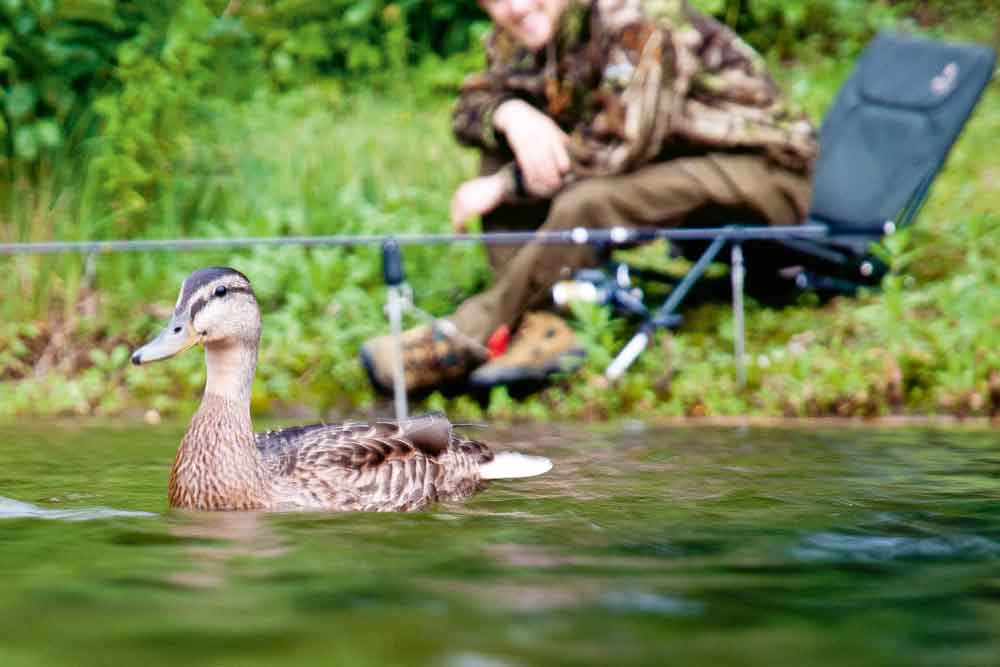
(890, 129)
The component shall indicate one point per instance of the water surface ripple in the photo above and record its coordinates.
(644, 546)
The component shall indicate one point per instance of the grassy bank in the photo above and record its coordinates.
(318, 160)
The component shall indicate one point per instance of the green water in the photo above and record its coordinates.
(690, 546)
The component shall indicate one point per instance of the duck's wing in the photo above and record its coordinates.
(384, 465)
(429, 434)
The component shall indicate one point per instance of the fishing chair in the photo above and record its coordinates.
(882, 143)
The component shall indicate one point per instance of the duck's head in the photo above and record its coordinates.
(216, 308)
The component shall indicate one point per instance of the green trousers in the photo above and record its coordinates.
(697, 191)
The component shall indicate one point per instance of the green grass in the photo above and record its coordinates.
(308, 162)
(321, 161)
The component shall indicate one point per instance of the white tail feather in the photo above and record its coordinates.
(511, 465)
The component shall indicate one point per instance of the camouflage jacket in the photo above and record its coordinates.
(636, 81)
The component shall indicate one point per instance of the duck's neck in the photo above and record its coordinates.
(218, 466)
(231, 368)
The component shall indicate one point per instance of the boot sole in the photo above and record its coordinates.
(504, 377)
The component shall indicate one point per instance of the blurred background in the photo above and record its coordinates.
(203, 118)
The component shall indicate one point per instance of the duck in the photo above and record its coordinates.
(222, 465)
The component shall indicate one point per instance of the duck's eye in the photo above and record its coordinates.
(220, 290)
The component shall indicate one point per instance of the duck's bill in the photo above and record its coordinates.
(174, 339)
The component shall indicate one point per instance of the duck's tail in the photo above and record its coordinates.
(511, 465)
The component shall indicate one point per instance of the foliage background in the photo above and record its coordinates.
(213, 118)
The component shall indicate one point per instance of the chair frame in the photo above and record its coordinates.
(841, 260)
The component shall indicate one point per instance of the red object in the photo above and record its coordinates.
(498, 341)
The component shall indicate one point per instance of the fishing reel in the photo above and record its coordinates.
(599, 287)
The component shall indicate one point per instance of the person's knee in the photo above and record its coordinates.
(584, 204)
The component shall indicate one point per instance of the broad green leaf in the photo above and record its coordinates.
(26, 143)
(101, 12)
(48, 133)
(282, 63)
(20, 101)
(25, 23)
(360, 14)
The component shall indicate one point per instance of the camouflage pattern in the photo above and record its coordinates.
(637, 81)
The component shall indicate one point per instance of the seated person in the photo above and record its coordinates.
(598, 114)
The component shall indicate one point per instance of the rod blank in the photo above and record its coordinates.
(614, 236)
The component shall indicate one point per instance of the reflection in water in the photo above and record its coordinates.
(839, 547)
(651, 603)
(477, 660)
(531, 556)
(15, 509)
(521, 597)
(215, 541)
(692, 546)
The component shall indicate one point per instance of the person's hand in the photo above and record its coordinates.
(476, 197)
(539, 146)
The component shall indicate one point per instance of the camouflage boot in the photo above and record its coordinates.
(432, 355)
(543, 346)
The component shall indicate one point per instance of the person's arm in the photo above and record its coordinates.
(539, 147)
(474, 116)
(483, 93)
(495, 115)
(481, 195)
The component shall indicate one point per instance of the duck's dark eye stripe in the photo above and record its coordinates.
(219, 291)
(197, 306)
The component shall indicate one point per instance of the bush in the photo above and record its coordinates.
(368, 39)
(54, 56)
(136, 73)
(58, 57)
(215, 118)
(784, 28)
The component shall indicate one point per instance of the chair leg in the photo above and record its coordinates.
(739, 328)
(664, 316)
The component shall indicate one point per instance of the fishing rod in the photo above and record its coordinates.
(392, 267)
(576, 236)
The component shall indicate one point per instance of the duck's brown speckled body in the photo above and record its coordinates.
(382, 466)
(222, 465)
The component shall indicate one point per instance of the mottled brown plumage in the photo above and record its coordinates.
(222, 465)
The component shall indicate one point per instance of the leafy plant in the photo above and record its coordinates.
(54, 57)
(199, 121)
